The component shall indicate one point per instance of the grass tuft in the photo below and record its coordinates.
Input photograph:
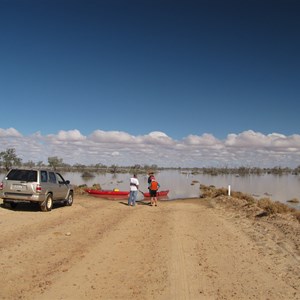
(274, 207)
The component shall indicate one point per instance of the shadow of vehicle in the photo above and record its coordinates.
(28, 207)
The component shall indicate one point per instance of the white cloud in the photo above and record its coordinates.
(10, 132)
(206, 140)
(100, 136)
(71, 135)
(255, 140)
(156, 138)
(247, 139)
(247, 148)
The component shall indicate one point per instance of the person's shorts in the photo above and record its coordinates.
(152, 193)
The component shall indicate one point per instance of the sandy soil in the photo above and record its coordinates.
(184, 249)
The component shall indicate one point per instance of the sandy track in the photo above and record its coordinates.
(99, 249)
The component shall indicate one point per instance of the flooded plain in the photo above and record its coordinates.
(186, 185)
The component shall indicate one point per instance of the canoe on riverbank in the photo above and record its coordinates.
(107, 192)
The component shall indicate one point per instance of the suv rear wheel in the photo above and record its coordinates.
(69, 200)
(47, 204)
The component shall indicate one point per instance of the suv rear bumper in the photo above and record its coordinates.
(17, 197)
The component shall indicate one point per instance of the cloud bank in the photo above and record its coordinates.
(247, 148)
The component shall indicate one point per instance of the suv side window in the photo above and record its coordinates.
(44, 176)
(52, 177)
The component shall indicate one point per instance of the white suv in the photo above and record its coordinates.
(35, 186)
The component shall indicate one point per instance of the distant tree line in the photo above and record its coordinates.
(9, 159)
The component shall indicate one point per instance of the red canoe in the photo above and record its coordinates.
(158, 194)
(108, 192)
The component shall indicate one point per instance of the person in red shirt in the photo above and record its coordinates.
(153, 188)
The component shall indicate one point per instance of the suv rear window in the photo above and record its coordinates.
(23, 175)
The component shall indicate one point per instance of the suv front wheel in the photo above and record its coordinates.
(47, 204)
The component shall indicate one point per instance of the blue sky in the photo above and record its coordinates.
(177, 73)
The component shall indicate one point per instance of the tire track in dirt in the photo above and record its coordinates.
(124, 264)
(214, 258)
(238, 263)
(43, 249)
(179, 250)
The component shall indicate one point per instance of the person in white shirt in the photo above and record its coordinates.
(134, 186)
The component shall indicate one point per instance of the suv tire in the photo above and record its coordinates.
(47, 204)
(69, 200)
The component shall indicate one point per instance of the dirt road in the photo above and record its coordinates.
(101, 249)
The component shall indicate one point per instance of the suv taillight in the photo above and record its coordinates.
(38, 188)
(1, 185)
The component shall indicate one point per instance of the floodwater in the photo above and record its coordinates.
(185, 185)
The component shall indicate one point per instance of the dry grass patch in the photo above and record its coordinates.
(80, 190)
(294, 200)
(297, 215)
(212, 192)
(272, 207)
(262, 207)
(250, 199)
(194, 182)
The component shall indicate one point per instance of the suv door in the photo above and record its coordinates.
(54, 186)
(60, 188)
